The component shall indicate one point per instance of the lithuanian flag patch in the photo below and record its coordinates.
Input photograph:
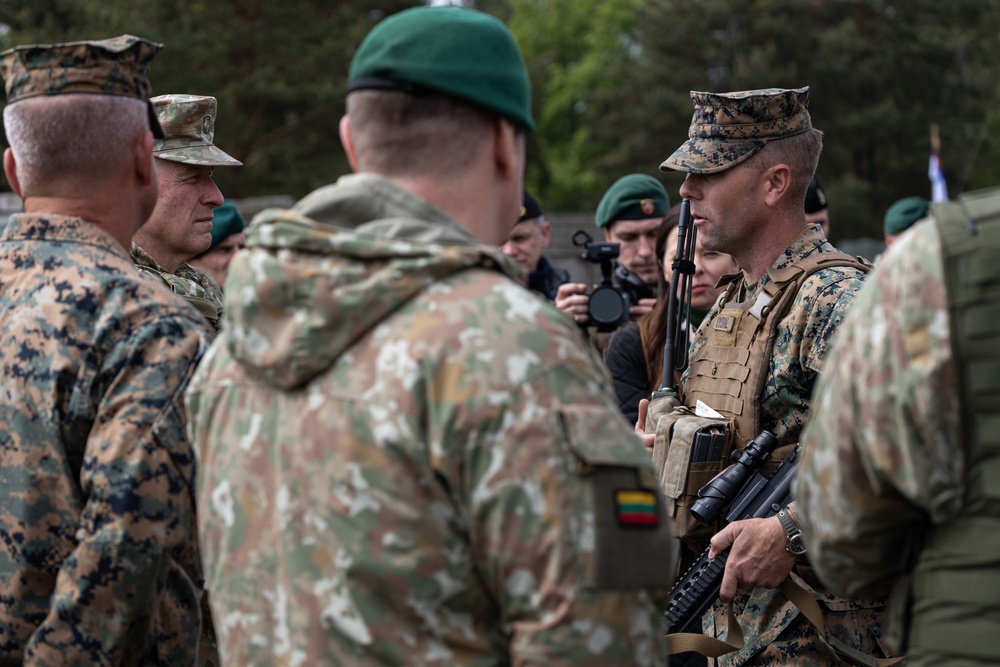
(635, 507)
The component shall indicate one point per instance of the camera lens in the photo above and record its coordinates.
(608, 308)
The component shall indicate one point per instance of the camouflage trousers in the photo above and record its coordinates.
(789, 638)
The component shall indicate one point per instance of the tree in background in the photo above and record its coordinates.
(610, 78)
(278, 70)
(881, 73)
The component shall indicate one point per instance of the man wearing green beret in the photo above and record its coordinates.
(630, 213)
(99, 561)
(227, 238)
(181, 224)
(754, 361)
(405, 456)
(902, 215)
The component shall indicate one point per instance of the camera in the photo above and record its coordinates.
(619, 287)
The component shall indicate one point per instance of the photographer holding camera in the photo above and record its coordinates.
(630, 213)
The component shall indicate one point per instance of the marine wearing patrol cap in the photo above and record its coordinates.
(459, 52)
(632, 197)
(117, 66)
(189, 127)
(729, 128)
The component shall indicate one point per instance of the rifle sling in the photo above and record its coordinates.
(713, 648)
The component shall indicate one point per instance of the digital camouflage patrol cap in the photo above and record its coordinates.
(632, 197)
(728, 128)
(189, 126)
(451, 50)
(118, 66)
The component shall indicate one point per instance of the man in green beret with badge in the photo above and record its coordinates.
(630, 214)
(181, 224)
(405, 456)
(754, 361)
(99, 561)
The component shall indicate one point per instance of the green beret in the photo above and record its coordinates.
(901, 215)
(450, 50)
(633, 197)
(226, 221)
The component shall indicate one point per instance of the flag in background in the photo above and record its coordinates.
(939, 188)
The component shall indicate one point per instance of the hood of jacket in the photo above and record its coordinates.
(317, 277)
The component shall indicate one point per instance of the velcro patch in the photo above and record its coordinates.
(636, 507)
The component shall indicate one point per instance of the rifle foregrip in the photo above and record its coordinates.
(694, 593)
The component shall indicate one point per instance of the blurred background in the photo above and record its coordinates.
(610, 81)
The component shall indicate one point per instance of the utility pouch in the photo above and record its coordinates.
(689, 451)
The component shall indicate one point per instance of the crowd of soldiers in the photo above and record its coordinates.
(380, 448)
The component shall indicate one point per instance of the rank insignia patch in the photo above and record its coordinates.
(635, 507)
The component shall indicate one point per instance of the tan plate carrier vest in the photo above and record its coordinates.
(732, 366)
(729, 375)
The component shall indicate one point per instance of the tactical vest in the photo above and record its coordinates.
(733, 364)
(955, 612)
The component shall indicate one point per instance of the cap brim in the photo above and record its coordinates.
(708, 156)
(200, 155)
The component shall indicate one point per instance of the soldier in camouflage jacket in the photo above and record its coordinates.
(181, 225)
(406, 457)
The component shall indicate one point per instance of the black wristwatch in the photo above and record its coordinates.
(794, 545)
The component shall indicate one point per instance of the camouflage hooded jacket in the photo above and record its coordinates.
(408, 458)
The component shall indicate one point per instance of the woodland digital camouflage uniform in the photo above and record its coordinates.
(197, 287)
(99, 561)
(408, 458)
(800, 347)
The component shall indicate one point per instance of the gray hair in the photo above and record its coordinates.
(80, 137)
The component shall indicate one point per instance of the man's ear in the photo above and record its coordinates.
(777, 181)
(347, 141)
(546, 233)
(142, 157)
(507, 144)
(10, 168)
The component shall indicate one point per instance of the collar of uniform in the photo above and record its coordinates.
(54, 227)
(808, 242)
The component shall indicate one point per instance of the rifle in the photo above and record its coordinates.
(743, 493)
(675, 346)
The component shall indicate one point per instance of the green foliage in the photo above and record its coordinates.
(278, 70)
(610, 77)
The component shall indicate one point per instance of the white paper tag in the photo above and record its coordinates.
(704, 410)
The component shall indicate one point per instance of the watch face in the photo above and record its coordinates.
(795, 545)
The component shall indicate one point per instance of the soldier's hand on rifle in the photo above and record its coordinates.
(572, 299)
(648, 439)
(644, 307)
(758, 558)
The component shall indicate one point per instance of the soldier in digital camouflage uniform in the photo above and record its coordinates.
(749, 159)
(99, 562)
(899, 473)
(406, 457)
(181, 225)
